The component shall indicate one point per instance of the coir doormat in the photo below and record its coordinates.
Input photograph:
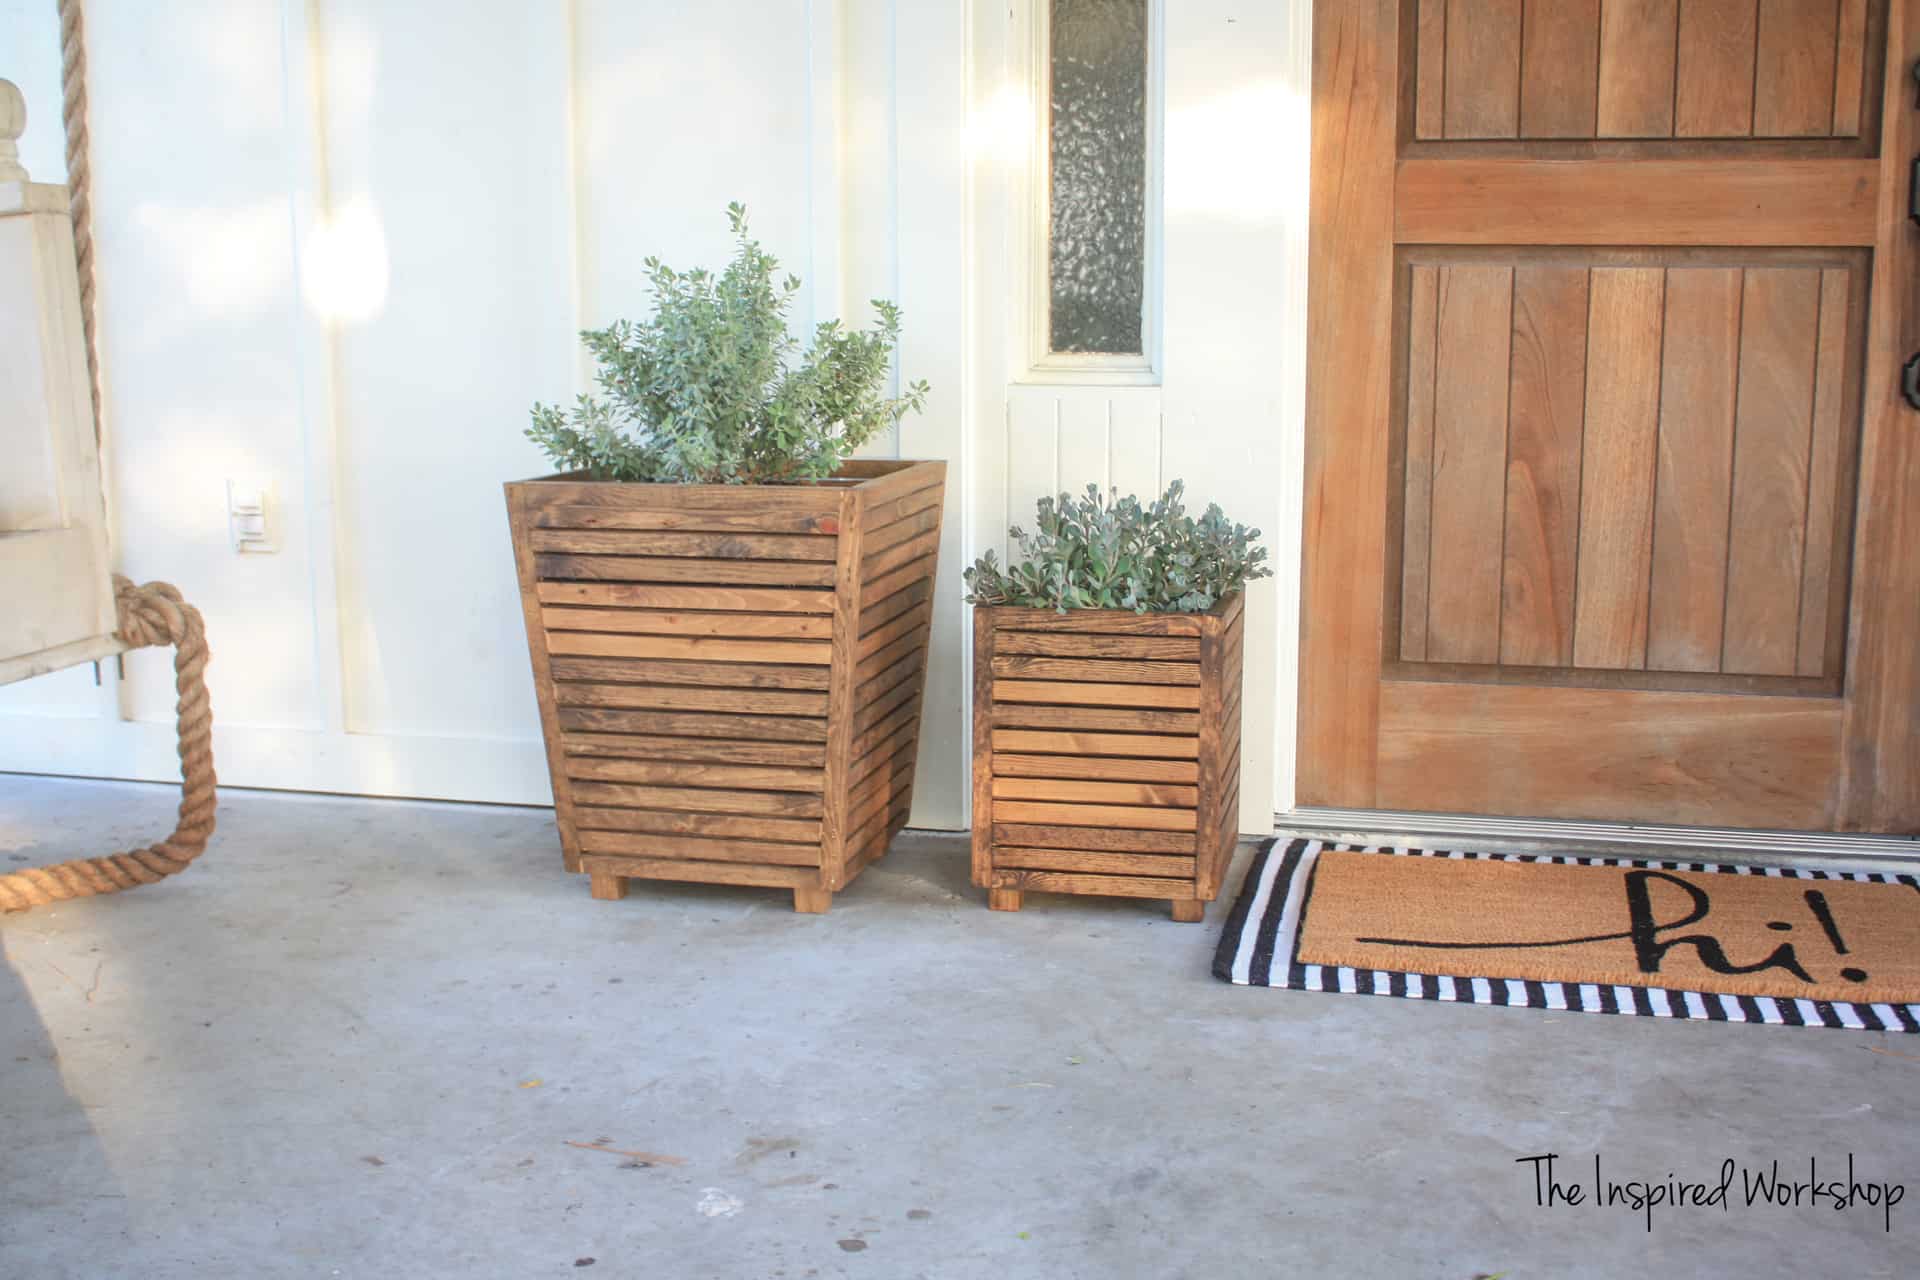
(1592, 935)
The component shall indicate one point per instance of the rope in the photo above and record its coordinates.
(150, 615)
(73, 114)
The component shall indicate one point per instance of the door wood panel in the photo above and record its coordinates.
(1645, 71)
(1605, 506)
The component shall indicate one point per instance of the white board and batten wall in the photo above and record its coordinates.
(342, 245)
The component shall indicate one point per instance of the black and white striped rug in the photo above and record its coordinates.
(1260, 948)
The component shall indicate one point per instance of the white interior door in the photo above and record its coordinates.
(56, 588)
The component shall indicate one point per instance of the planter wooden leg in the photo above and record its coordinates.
(1003, 899)
(812, 902)
(1189, 910)
(607, 888)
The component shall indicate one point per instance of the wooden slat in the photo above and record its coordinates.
(1617, 458)
(1069, 693)
(883, 729)
(1714, 95)
(877, 613)
(1501, 201)
(1431, 76)
(1652, 757)
(892, 535)
(870, 711)
(880, 563)
(757, 702)
(633, 595)
(905, 576)
(1154, 746)
(704, 648)
(1109, 886)
(1093, 815)
(1128, 720)
(1543, 464)
(780, 804)
(1637, 68)
(1779, 337)
(641, 747)
(1559, 69)
(880, 669)
(911, 624)
(701, 872)
(519, 501)
(671, 671)
(1097, 622)
(1693, 484)
(1849, 73)
(848, 584)
(680, 773)
(690, 849)
(1416, 531)
(582, 516)
(883, 515)
(1881, 786)
(792, 626)
(1149, 648)
(1794, 69)
(1073, 791)
(793, 573)
(1108, 768)
(693, 724)
(1823, 460)
(711, 825)
(1117, 839)
(1469, 448)
(1110, 864)
(1097, 670)
(719, 546)
(1357, 108)
(1483, 69)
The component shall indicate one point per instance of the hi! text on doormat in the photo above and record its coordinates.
(1588, 934)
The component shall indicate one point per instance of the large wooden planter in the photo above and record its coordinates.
(1106, 753)
(730, 676)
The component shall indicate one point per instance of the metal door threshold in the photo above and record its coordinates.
(1552, 835)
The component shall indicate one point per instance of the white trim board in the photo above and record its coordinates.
(280, 758)
(1505, 835)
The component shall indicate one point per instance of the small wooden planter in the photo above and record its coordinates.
(730, 676)
(1106, 753)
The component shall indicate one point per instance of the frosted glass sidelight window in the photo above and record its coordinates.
(1097, 156)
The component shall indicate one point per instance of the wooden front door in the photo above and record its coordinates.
(1613, 503)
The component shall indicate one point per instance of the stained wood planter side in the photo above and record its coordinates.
(730, 676)
(1106, 753)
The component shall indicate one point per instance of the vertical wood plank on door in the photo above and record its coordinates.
(1699, 376)
(1713, 96)
(1794, 68)
(1430, 71)
(1559, 69)
(1483, 69)
(1033, 457)
(1637, 48)
(1543, 465)
(1083, 441)
(1469, 463)
(1135, 461)
(1823, 470)
(1880, 784)
(1779, 328)
(1850, 68)
(1617, 466)
(1350, 313)
(1417, 513)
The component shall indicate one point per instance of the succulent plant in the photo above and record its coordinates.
(1108, 552)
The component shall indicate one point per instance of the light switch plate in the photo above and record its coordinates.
(249, 518)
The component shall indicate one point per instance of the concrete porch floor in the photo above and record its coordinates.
(357, 1037)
